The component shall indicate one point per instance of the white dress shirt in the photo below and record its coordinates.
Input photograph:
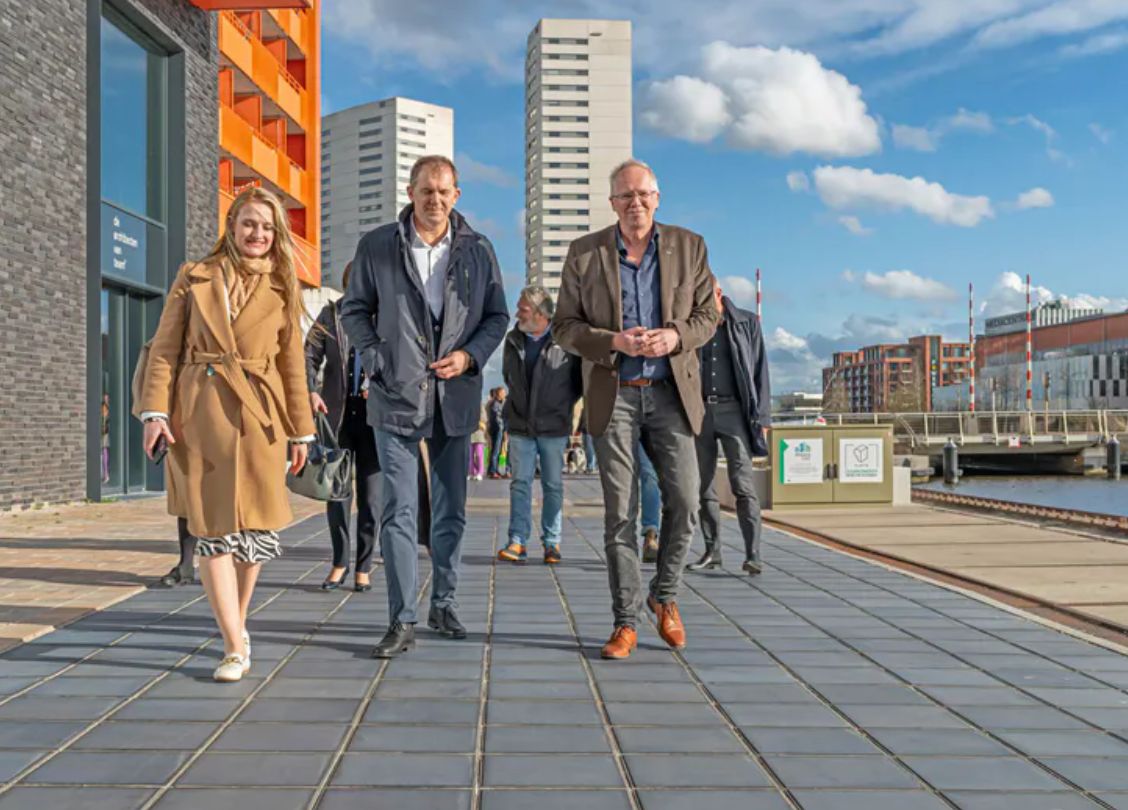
(431, 261)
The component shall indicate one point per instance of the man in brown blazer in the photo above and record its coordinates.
(636, 303)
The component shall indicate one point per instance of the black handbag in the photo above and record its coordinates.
(328, 472)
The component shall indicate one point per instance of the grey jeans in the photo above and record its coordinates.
(725, 423)
(655, 417)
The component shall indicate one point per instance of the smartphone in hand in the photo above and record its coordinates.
(160, 449)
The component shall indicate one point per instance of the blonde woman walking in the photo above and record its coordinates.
(226, 390)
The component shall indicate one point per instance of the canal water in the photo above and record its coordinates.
(1063, 492)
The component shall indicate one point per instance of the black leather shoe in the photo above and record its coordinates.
(334, 584)
(753, 567)
(176, 576)
(710, 559)
(399, 639)
(444, 622)
(362, 587)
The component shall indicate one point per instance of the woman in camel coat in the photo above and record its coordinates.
(226, 389)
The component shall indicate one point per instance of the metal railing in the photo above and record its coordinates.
(983, 427)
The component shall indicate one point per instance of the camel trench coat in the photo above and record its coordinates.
(235, 393)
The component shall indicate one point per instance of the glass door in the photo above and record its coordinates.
(124, 331)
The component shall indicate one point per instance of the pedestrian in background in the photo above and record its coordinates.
(636, 304)
(544, 384)
(225, 388)
(591, 465)
(426, 308)
(650, 499)
(495, 429)
(342, 398)
(478, 452)
(737, 395)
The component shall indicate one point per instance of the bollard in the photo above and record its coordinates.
(1112, 459)
(951, 463)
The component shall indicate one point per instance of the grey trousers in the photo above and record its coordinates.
(725, 423)
(399, 461)
(655, 417)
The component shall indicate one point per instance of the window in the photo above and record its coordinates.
(567, 88)
(370, 221)
(558, 103)
(375, 120)
(416, 144)
(566, 118)
(369, 183)
(326, 228)
(563, 72)
(417, 119)
(370, 145)
(573, 57)
(371, 158)
(370, 196)
(410, 131)
(366, 208)
(566, 41)
(369, 132)
(325, 133)
(373, 170)
(578, 212)
(566, 166)
(568, 150)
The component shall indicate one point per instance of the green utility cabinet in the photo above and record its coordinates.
(827, 465)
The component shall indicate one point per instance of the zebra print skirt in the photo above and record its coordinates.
(248, 546)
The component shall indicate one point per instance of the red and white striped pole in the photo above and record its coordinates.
(1029, 352)
(759, 296)
(971, 345)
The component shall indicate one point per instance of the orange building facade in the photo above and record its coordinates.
(894, 377)
(270, 112)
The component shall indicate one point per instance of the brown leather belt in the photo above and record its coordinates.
(641, 382)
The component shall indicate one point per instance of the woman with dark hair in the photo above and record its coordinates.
(343, 396)
(225, 390)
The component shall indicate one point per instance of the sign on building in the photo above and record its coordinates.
(123, 244)
(801, 462)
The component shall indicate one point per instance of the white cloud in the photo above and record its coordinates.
(919, 24)
(919, 139)
(1008, 294)
(476, 171)
(1056, 19)
(1048, 132)
(844, 187)
(903, 285)
(1096, 45)
(798, 181)
(794, 366)
(970, 120)
(739, 289)
(776, 101)
(1100, 133)
(854, 225)
(688, 108)
(1034, 198)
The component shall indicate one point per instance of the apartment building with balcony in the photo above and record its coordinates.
(270, 112)
(894, 376)
(366, 157)
(577, 129)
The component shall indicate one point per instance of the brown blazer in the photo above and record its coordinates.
(589, 311)
(234, 393)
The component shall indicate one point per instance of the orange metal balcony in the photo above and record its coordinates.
(248, 53)
(293, 23)
(243, 5)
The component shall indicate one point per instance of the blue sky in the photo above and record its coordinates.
(792, 135)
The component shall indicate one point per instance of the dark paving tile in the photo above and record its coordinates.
(546, 740)
(1067, 743)
(305, 688)
(268, 770)
(549, 690)
(31, 707)
(695, 770)
(564, 712)
(403, 770)
(85, 798)
(996, 719)
(939, 742)
(784, 716)
(33, 734)
(281, 737)
(174, 709)
(984, 773)
(90, 768)
(148, 736)
(555, 799)
(873, 717)
(810, 741)
(711, 800)
(385, 799)
(288, 709)
(422, 712)
(869, 800)
(578, 770)
(12, 762)
(415, 739)
(625, 692)
(241, 798)
(685, 739)
(90, 687)
(421, 690)
(840, 772)
(1091, 773)
(1026, 801)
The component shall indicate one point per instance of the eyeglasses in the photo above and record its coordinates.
(629, 196)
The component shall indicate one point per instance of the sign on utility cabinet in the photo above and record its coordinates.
(801, 461)
(861, 460)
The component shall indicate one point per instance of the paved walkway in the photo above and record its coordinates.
(829, 683)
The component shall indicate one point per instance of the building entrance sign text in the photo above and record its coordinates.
(123, 244)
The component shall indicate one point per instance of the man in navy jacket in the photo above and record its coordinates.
(426, 309)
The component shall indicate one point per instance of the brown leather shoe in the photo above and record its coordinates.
(621, 644)
(670, 626)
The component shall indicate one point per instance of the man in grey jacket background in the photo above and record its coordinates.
(426, 308)
(544, 384)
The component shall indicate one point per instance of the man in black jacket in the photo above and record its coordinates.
(426, 309)
(544, 383)
(734, 385)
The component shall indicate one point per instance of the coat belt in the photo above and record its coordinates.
(235, 370)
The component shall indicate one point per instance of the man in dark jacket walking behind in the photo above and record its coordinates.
(426, 309)
(738, 404)
(544, 383)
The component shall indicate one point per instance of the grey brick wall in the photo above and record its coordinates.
(43, 265)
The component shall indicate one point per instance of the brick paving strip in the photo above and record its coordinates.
(829, 683)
